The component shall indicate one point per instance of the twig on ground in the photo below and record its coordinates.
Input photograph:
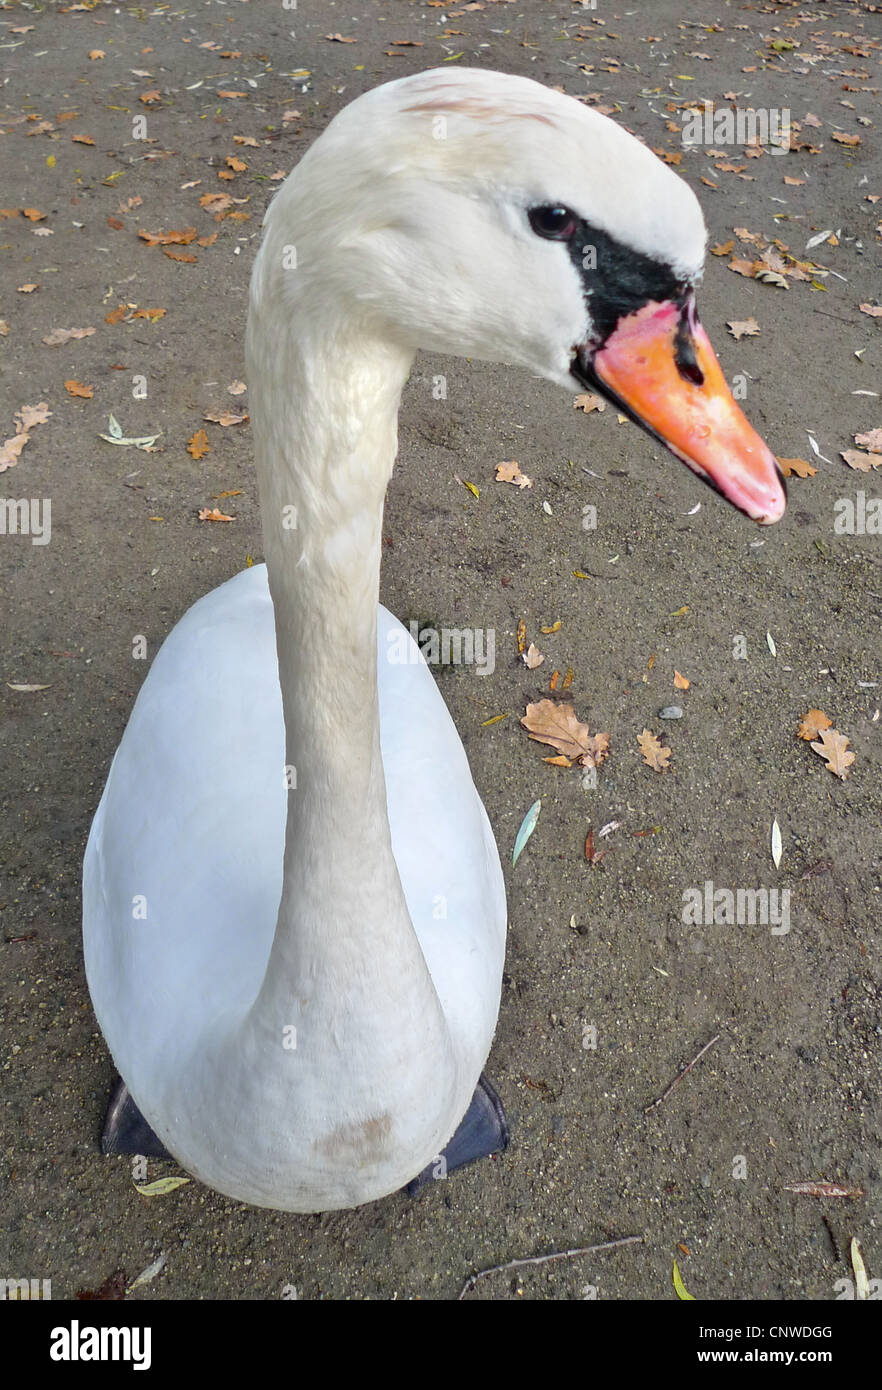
(686, 1070)
(544, 1259)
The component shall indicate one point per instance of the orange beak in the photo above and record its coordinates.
(659, 366)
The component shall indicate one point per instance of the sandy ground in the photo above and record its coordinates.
(791, 1090)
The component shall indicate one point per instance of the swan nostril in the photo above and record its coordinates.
(684, 346)
(690, 370)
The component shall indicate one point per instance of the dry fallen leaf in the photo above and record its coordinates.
(215, 202)
(842, 139)
(680, 682)
(722, 248)
(76, 388)
(812, 723)
(832, 748)
(57, 336)
(743, 267)
(214, 514)
(874, 310)
(224, 417)
(872, 440)
(236, 388)
(25, 419)
(28, 289)
(823, 1189)
(174, 255)
(179, 238)
(773, 277)
(798, 468)
(743, 328)
(31, 415)
(532, 657)
(654, 754)
(509, 472)
(588, 401)
(547, 721)
(863, 462)
(198, 446)
(521, 636)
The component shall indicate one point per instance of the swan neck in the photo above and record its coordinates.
(325, 415)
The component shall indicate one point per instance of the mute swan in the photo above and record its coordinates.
(294, 912)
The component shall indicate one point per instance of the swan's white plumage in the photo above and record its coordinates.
(192, 825)
(366, 908)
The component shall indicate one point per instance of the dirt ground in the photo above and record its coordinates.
(790, 1092)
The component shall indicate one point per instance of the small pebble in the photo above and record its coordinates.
(670, 712)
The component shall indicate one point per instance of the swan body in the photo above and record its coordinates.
(294, 911)
(208, 867)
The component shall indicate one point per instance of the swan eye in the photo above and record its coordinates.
(553, 223)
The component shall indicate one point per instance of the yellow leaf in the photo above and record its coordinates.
(160, 1187)
(681, 1289)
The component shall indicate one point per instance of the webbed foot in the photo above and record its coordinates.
(125, 1129)
(482, 1131)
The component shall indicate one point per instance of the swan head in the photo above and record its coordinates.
(485, 215)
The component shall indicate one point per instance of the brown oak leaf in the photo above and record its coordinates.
(198, 446)
(588, 401)
(743, 328)
(872, 440)
(509, 472)
(224, 417)
(799, 468)
(812, 723)
(76, 388)
(654, 755)
(833, 748)
(547, 721)
(864, 462)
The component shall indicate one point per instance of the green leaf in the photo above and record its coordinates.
(528, 825)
